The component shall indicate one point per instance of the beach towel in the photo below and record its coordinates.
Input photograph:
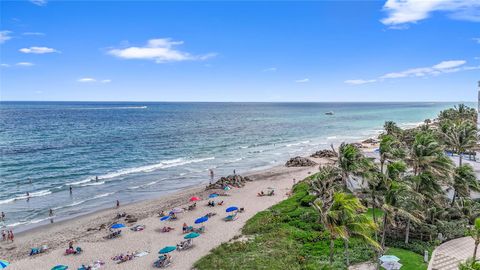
(141, 254)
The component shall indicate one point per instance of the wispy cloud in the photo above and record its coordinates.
(4, 36)
(305, 80)
(33, 34)
(24, 64)
(270, 69)
(476, 40)
(92, 80)
(39, 2)
(4, 65)
(38, 50)
(359, 81)
(160, 50)
(411, 11)
(443, 67)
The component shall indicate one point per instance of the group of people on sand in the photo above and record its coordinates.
(270, 193)
(7, 235)
(212, 203)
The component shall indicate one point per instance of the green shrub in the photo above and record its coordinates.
(307, 200)
(414, 245)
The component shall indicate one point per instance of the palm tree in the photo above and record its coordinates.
(464, 180)
(372, 176)
(349, 157)
(389, 149)
(426, 155)
(461, 137)
(391, 128)
(343, 217)
(475, 234)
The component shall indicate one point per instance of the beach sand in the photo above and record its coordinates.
(58, 235)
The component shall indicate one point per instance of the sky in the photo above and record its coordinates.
(319, 51)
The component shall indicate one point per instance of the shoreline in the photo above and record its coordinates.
(81, 229)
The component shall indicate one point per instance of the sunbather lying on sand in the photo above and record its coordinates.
(167, 229)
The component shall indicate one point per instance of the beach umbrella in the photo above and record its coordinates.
(167, 249)
(389, 258)
(213, 195)
(231, 209)
(191, 235)
(392, 265)
(195, 198)
(201, 220)
(165, 218)
(227, 188)
(3, 264)
(176, 210)
(117, 226)
(60, 267)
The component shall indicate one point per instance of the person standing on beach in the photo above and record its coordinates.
(50, 212)
(96, 178)
(71, 190)
(234, 173)
(211, 176)
(4, 235)
(118, 203)
(2, 218)
(10, 235)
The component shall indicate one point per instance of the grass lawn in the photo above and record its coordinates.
(409, 259)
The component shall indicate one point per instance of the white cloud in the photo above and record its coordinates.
(4, 65)
(270, 69)
(359, 81)
(411, 11)
(24, 64)
(476, 40)
(39, 2)
(303, 80)
(38, 50)
(161, 50)
(4, 36)
(443, 67)
(33, 34)
(92, 80)
(86, 80)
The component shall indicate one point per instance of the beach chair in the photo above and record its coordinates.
(231, 217)
(184, 245)
(162, 262)
(199, 230)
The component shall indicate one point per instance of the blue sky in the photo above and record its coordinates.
(397, 50)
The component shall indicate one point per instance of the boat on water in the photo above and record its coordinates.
(329, 113)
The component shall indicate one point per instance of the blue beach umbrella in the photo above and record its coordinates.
(231, 209)
(167, 249)
(389, 258)
(117, 226)
(191, 235)
(165, 218)
(213, 195)
(3, 264)
(201, 220)
(60, 267)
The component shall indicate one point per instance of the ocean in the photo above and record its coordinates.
(142, 150)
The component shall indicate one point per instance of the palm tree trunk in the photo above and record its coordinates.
(374, 216)
(475, 251)
(459, 159)
(384, 229)
(454, 197)
(346, 252)
(407, 232)
(332, 246)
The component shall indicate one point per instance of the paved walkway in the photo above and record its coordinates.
(448, 255)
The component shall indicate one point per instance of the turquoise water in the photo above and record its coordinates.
(143, 150)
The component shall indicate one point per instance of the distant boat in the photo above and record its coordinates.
(329, 113)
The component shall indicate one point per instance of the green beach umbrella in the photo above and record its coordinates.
(60, 267)
(166, 249)
(3, 264)
(191, 235)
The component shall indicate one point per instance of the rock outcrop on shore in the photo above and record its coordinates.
(300, 162)
(231, 180)
(324, 154)
(370, 141)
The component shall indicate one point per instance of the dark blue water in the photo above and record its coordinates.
(142, 150)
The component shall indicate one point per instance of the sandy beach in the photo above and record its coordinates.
(58, 235)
